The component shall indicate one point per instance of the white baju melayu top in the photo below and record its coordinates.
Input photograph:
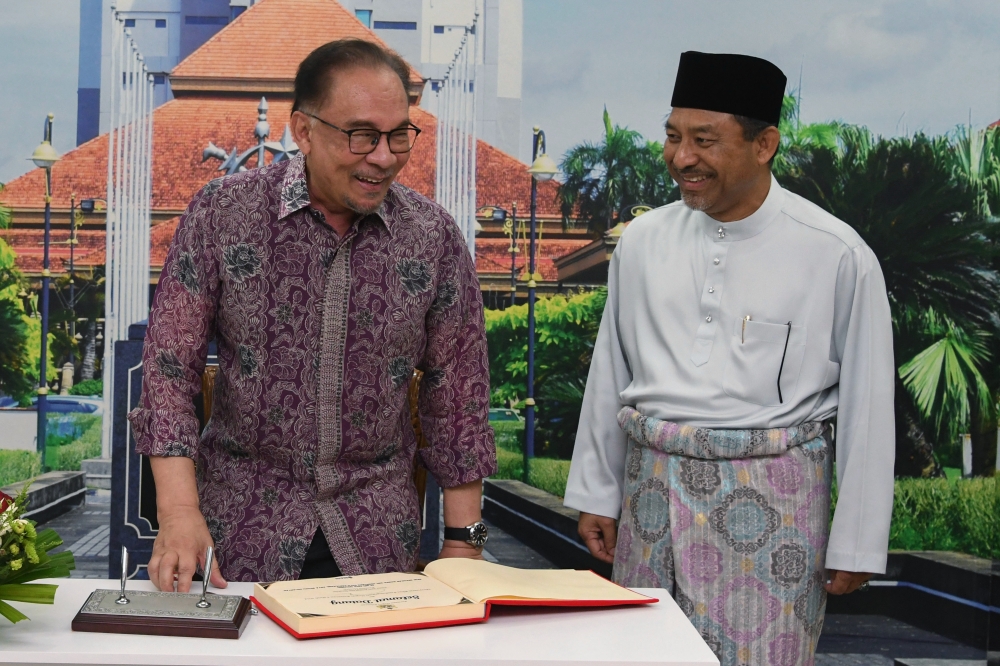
(695, 332)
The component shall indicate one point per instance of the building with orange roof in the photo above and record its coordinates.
(217, 90)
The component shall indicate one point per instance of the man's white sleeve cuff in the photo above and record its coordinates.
(857, 562)
(601, 506)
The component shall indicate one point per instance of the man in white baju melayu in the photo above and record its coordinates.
(739, 323)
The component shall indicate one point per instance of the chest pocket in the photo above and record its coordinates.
(759, 359)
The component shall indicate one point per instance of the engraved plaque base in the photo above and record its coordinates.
(164, 614)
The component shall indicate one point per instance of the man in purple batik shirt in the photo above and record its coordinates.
(324, 284)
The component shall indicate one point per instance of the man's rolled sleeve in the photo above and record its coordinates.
(181, 324)
(455, 391)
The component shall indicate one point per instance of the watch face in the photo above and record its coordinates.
(478, 534)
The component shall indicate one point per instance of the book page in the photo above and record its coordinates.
(370, 593)
(479, 581)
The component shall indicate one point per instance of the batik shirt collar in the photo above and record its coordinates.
(295, 194)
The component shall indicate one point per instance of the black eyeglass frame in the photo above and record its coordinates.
(350, 134)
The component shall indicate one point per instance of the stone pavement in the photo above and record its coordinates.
(85, 531)
(847, 640)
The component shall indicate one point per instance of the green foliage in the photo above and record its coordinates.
(66, 452)
(88, 387)
(509, 435)
(604, 181)
(13, 331)
(798, 139)
(34, 352)
(18, 466)
(939, 514)
(943, 376)
(975, 160)
(547, 474)
(565, 331)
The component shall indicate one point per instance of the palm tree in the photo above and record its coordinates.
(975, 160)
(798, 139)
(943, 376)
(933, 244)
(604, 181)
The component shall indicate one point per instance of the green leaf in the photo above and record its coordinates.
(32, 593)
(11, 613)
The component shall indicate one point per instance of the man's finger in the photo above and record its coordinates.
(216, 579)
(165, 574)
(610, 534)
(186, 568)
(595, 544)
(153, 569)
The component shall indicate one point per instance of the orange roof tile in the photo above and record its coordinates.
(183, 127)
(28, 244)
(160, 238)
(268, 41)
(493, 256)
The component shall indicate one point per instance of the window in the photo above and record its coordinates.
(365, 16)
(435, 85)
(395, 25)
(206, 20)
(159, 79)
(439, 30)
(161, 23)
(129, 23)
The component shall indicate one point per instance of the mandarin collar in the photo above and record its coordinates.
(750, 226)
(295, 194)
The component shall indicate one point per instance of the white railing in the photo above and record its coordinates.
(130, 144)
(455, 181)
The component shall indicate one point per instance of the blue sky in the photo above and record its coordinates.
(897, 66)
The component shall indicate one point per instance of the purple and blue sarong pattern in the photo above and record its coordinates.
(734, 523)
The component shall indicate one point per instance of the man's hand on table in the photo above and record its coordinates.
(845, 582)
(600, 533)
(179, 549)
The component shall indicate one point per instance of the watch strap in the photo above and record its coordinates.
(457, 534)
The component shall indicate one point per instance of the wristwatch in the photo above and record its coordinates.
(475, 534)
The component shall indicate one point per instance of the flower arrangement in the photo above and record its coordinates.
(24, 557)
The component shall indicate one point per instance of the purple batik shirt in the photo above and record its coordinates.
(318, 336)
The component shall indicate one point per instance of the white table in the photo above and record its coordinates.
(654, 634)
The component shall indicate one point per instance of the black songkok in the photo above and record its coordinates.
(729, 83)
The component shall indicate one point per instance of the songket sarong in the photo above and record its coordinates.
(734, 523)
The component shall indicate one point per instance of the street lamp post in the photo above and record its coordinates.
(513, 254)
(72, 274)
(44, 157)
(542, 168)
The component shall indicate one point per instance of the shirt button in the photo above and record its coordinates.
(722, 233)
(711, 290)
(709, 319)
(716, 261)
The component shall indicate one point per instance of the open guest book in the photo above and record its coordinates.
(449, 592)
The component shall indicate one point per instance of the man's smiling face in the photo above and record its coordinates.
(359, 98)
(714, 166)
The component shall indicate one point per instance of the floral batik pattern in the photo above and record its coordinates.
(318, 336)
(734, 523)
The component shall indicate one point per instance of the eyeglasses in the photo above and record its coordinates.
(363, 141)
